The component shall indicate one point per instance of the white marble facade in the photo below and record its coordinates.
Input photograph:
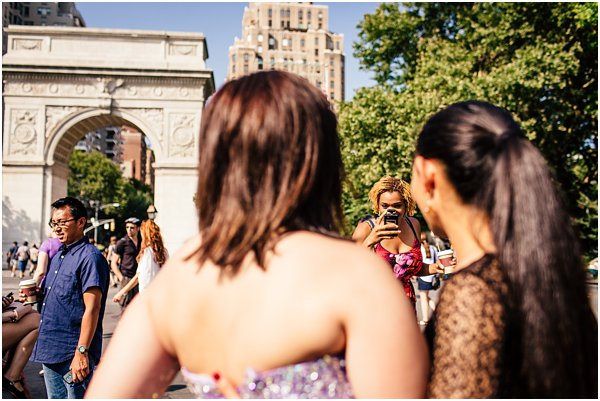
(60, 83)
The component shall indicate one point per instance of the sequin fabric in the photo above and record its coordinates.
(324, 377)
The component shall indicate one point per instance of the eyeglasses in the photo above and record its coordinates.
(60, 223)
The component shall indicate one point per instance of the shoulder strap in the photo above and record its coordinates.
(371, 223)
(411, 227)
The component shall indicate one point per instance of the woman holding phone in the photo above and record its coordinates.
(395, 235)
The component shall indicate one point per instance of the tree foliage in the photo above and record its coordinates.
(94, 177)
(538, 60)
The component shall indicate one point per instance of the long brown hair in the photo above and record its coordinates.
(495, 168)
(152, 238)
(269, 163)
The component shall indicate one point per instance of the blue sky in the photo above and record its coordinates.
(221, 23)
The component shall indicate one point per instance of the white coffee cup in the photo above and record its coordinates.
(445, 258)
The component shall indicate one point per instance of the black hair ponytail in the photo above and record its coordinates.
(495, 168)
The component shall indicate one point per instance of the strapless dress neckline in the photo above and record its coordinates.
(324, 377)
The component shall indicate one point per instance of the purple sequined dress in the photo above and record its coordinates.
(324, 377)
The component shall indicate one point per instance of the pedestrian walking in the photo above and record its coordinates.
(33, 258)
(69, 344)
(151, 258)
(427, 283)
(23, 258)
(124, 259)
(11, 258)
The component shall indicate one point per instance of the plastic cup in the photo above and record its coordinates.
(29, 289)
(445, 258)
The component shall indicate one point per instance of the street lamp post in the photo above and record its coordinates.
(97, 207)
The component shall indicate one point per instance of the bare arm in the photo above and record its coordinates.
(367, 237)
(128, 287)
(386, 355)
(92, 299)
(42, 267)
(135, 347)
(114, 265)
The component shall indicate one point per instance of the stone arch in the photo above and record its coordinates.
(57, 88)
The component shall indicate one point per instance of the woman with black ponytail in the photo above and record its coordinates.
(514, 320)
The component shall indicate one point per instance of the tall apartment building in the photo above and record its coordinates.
(105, 140)
(293, 37)
(51, 13)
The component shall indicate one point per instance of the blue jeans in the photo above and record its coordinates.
(56, 386)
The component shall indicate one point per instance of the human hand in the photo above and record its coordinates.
(7, 300)
(117, 297)
(80, 366)
(382, 231)
(225, 387)
(436, 268)
(118, 277)
(22, 296)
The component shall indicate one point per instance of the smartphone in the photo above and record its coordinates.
(390, 217)
(9, 295)
(68, 377)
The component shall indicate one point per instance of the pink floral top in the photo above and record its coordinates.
(405, 265)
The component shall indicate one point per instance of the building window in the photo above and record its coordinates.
(260, 63)
(26, 11)
(245, 68)
(300, 14)
(233, 69)
(272, 44)
(331, 84)
(320, 15)
(316, 52)
(270, 13)
(302, 42)
(332, 73)
(44, 11)
(317, 41)
(309, 15)
(249, 38)
(282, 23)
(320, 25)
(246, 57)
(287, 13)
(332, 95)
(337, 45)
(309, 26)
(233, 58)
(272, 61)
(304, 61)
(270, 23)
(282, 13)
(259, 37)
(260, 49)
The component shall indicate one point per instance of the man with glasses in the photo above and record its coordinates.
(69, 343)
(124, 259)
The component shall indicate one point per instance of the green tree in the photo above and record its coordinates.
(94, 177)
(538, 60)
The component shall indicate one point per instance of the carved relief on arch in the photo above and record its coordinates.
(154, 118)
(55, 114)
(182, 139)
(23, 135)
(27, 44)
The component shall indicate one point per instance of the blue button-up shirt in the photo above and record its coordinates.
(72, 271)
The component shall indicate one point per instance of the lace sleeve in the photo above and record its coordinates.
(469, 328)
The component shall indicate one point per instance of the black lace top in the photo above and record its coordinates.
(470, 336)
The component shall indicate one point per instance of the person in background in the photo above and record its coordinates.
(11, 258)
(33, 258)
(268, 296)
(425, 283)
(47, 250)
(23, 258)
(69, 343)
(124, 259)
(398, 244)
(151, 258)
(514, 320)
(110, 251)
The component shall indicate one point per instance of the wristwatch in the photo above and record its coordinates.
(82, 349)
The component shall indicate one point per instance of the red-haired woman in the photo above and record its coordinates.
(152, 256)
